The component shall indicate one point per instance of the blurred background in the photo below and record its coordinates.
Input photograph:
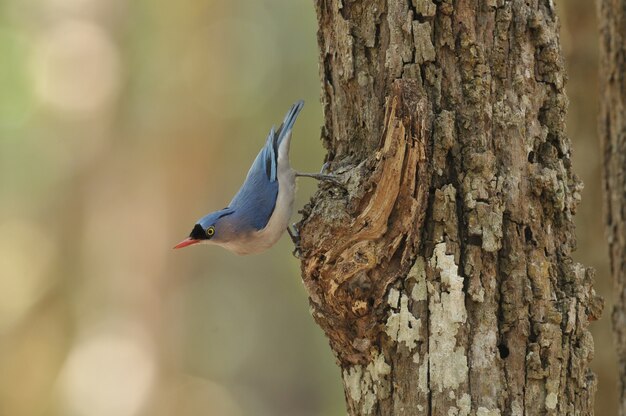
(121, 123)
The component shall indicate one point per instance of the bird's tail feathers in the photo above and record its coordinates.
(290, 118)
(269, 153)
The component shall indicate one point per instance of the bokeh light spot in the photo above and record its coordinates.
(109, 372)
(76, 68)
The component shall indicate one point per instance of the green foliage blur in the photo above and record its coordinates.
(121, 123)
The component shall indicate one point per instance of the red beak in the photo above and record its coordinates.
(186, 242)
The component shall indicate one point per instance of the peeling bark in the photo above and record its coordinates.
(612, 128)
(442, 274)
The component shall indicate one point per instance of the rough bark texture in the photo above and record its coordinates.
(442, 274)
(613, 139)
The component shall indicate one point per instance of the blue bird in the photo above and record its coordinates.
(259, 213)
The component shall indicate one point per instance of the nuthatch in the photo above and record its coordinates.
(259, 213)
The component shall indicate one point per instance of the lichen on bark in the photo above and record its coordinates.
(442, 273)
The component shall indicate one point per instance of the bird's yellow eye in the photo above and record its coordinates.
(210, 231)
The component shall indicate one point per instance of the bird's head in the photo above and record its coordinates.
(211, 228)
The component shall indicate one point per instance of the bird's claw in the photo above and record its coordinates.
(295, 238)
(323, 177)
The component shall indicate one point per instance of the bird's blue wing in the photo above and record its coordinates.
(269, 155)
(255, 201)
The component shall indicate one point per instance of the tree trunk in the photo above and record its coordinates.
(442, 273)
(613, 138)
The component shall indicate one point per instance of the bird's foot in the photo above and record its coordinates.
(322, 177)
(295, 237)
(325, 167)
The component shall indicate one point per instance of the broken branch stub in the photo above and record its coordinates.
(354, 246)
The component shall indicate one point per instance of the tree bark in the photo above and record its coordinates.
(442, 273)
(612, 16)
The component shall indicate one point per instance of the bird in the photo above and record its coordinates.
(259, 213)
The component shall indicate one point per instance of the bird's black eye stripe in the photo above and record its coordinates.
(198, 233)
